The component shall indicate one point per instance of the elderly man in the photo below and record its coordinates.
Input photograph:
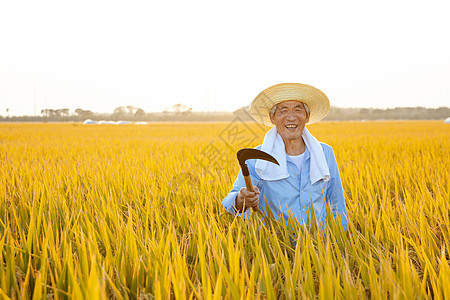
(308, 176)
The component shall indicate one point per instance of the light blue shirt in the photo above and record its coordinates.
(295, 194)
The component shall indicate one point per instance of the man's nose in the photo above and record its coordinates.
(291, 115)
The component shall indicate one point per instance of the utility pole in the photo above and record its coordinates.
(215, 99)
(34, 92)
(207, 98)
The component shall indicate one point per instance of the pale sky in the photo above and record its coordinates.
(99, 55)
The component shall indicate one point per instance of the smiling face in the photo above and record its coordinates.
(290, 118)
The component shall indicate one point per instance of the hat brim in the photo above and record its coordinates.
(315, 99)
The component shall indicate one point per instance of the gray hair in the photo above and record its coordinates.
(274, 109)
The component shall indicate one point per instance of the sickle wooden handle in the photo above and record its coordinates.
(248, 182)
(249, 153)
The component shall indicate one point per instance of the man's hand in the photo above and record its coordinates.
(247, 198)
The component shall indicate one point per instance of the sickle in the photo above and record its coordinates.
(250, 153)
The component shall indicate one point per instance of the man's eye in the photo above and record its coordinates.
(283, 111)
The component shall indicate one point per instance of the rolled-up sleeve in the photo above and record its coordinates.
(229, 201)
(335, 191)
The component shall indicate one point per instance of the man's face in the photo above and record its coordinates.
(290, 119)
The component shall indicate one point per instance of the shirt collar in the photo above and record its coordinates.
(307, 155)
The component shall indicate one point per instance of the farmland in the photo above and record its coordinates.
(134, 211)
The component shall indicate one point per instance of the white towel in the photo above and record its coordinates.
(274, 145)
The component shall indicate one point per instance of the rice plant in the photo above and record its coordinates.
(134, 212)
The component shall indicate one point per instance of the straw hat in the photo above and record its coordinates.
(317, 101)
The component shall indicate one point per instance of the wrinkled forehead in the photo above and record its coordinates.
(289, 103)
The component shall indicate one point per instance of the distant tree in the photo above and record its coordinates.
(128, 112)
(63, 112)
(180, 109)
(443, 111)
(48, 112)
(364, 111)
(378, 111)
(55, 113)
(84, 113)
(187, 112)
(120, 111)
(140, 113)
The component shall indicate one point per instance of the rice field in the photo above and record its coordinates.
(134, 212)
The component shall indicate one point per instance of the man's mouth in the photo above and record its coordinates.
(291, 127)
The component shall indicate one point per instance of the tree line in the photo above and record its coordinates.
(180, 112)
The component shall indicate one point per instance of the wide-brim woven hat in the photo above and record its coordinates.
(317, 101)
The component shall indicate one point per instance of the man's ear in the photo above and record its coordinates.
(271, 118)
(307, 112)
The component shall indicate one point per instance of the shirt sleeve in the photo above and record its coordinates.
(335, 192)
(229, 201)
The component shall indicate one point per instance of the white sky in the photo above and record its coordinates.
(99, 55)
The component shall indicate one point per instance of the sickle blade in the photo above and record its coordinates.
(250, 153)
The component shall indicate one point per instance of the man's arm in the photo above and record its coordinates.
(239, 195)
(246, 199)
(229, 202)
(335, 191)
